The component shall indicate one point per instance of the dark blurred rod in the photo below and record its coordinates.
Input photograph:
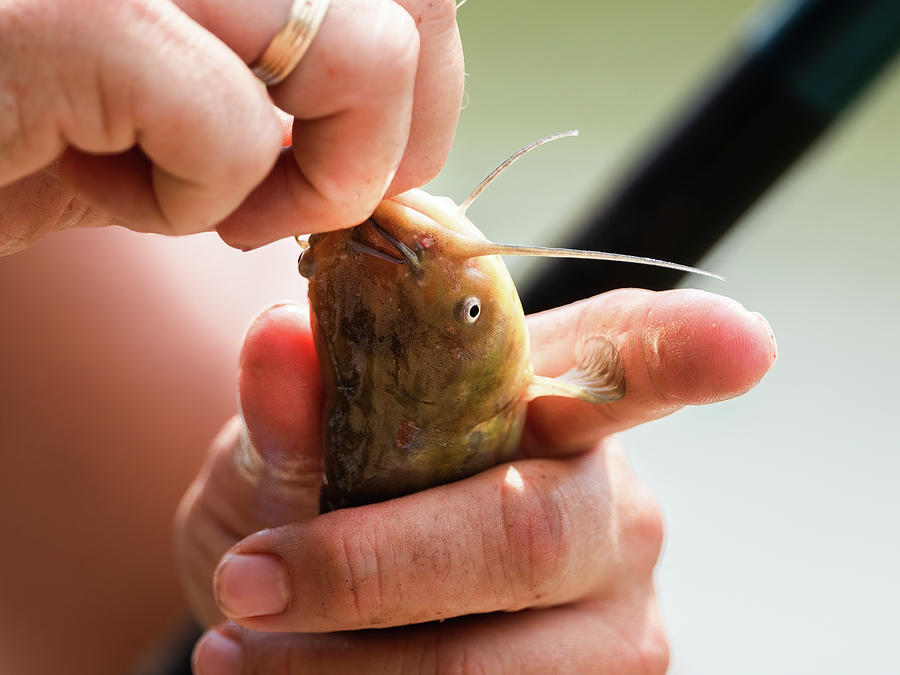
(798, 69)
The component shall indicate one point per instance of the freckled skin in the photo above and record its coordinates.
(415, 396)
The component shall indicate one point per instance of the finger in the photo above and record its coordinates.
(38, 204)
(162, 84)
(280, 393)
(352, 99)
(626, 636)
(538, 533)
(681, 347)
(438, 93)
(267, 473)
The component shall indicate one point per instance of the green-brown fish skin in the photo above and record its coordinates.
(416, 393)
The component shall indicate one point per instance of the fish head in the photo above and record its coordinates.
(406, 304)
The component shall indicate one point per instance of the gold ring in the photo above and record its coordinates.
(290, 44)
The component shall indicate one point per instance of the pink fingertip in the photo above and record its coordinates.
(216, 654)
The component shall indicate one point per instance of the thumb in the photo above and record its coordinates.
(265, 468)
(280, 399)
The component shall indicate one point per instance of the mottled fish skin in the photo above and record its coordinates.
(415, 395)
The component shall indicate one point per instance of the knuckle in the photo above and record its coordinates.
(432, 16)
(397, 41)
(643, 530)
(656, 654)
(357, 569)
(382, 63)
(640, 526)
(540, 543)
(26, 128)
(649, 655)
(466, 657)
(663, 349)
(642, 644)
(385, 63)
(272, 659)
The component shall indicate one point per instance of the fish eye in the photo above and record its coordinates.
(469, 310)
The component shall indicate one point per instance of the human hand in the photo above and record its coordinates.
(567, 532)
(143, 113)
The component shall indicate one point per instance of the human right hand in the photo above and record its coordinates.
(541, 565)
(143, 113)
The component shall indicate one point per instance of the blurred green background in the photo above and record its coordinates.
(782, 506)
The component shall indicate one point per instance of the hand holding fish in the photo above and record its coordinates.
(565, 529)
(144, 113)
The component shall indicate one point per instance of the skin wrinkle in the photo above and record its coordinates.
(16, 235)
(325, 574)
(75, 213)
(283, 491)
(643, 528)
(21, 140)
(288, 473)
(481, 544)
(601, 500)
(13, 141)
(557, 558)
(395, 565)
(432, 648)
(615, 545)
(471, 660)
(382, 571)
(632, 658)
(537, 540)
(652, 336)
(106, 123)
(69, 110)
(595, 322)
(637, 631)
(350, 580)
(510, 601)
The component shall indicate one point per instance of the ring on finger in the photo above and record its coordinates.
(289, 45)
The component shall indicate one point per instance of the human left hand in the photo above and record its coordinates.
(144, 113)
(566, 531)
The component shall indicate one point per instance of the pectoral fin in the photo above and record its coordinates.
(598, 375)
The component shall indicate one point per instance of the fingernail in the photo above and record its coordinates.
(217, 654)
(252, 585)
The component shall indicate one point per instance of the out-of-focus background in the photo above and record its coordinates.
(783, 545)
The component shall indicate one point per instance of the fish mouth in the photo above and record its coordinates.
(407, 255)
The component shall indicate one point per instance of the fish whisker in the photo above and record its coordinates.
(408, 254)
(359, 247)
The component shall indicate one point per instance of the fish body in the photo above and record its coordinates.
(425, 360)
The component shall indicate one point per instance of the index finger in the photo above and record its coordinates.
(352, 99)
(375, 103)
(680, 347)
